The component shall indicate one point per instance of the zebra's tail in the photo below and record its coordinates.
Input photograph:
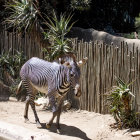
(19, 87)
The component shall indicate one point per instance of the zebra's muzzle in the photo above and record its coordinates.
(77, 91)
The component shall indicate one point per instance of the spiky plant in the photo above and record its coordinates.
(23, 14)
(25, 17)
(56, 33)
(120, 104)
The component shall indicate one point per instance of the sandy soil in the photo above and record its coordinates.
(75, 125)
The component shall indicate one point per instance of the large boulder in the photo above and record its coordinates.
(6, 86)
(5, 92)
(93, 35)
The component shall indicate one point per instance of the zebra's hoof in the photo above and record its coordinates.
(48, 126)
(38, 125)
(26, 120)
(58, 131)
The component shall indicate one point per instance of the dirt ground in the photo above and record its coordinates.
(75, 125)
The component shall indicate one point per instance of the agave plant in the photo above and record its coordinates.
(58, 28)
(56, 34)
(120, 103)
(23, 14)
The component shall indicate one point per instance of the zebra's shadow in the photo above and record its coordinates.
(67, 130)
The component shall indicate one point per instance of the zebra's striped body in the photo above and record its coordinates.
(53, 79)
(46, 76)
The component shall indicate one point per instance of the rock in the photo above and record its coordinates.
(5, 92)
(16, 132)
(8, 80)
(93, 35)
(42, 102)
(136, 133)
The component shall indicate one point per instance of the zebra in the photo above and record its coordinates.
(52, 78)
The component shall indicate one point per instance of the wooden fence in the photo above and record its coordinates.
(98, 75)
(105, 63)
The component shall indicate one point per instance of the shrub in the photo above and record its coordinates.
(9, 68)
(120, 104)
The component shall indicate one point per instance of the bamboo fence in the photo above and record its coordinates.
(105, 62)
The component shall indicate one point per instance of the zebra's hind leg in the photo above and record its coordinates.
(28, 87)
(32, 103)
(30, 100)
(26, 109)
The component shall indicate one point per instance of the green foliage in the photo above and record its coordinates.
(56, 34)
(23, 14)
(113, 13)
(11, 63)
(58, 28)
(120, 104)
(80, 4)
(10, 66)
(137, 23)
(130, 35)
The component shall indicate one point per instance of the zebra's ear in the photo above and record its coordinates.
(61, 61)
(82, 62)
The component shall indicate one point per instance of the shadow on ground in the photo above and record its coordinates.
(68, 130)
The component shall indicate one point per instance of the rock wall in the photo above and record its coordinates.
(93, 35)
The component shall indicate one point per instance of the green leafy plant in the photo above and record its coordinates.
(11, 63)
(137, 23)
(10, 66)
(120, 104)
(80, 4)
(23, 14)
(56, 34)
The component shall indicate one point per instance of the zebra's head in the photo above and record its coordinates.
(74, 73)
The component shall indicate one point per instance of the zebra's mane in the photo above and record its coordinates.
(70, 58)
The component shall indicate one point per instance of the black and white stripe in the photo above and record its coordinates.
(51, 78)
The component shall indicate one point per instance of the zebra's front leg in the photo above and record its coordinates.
(58, 119)
(56, 113)
(48, 125)
(54, 110)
